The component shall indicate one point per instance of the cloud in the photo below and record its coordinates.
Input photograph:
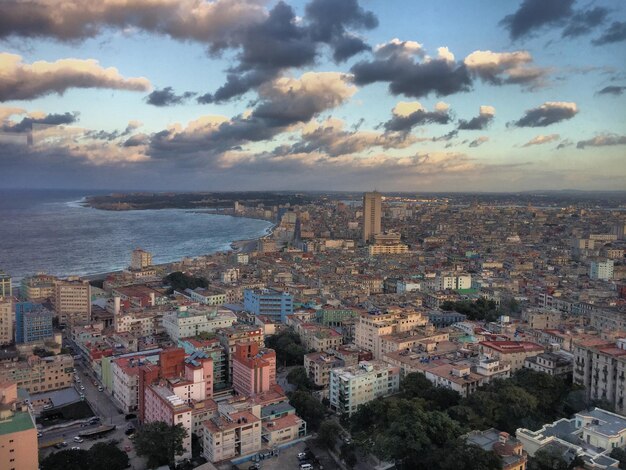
(137, 140)
(28, 123)
(564, 143)
(500, 68)
(533, 15)
(583, 22)
(485, 117)
(602, 140)
(542, 139)
(167, 97)
(396, 64)
(330, 138)
(280, 42)
(479, 141)
(548, 113)
(328, 20)
(615, 33)
(284, 102)
(21, 81)
(408, 115)
(612, 90)
(216, 23)
(7, 112)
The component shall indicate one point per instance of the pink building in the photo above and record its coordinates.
(254, 369)
(18, 434)
(183, 399)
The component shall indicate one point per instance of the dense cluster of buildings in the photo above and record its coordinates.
(371, 292)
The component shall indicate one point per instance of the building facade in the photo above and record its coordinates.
(6, 320)
(372, 215)
(18, 433)
(254, 369)
(270, 302)
(72, 302)
(357, 385)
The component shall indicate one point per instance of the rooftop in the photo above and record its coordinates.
(20, 421)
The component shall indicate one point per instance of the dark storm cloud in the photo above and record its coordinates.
(612, 90)
(167, 97)
(536, 14)
(280, 42)
(417, 118)
(328, 20)
(480, 122)
(583, 22)
(415, 79)
(547, 114)
(615, 33)
(27, 123)
(602, 141)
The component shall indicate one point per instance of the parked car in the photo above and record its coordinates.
(302, 455)
(60, 445)
(129, 431)
(78, 439)
(100, 389)
(94, 420)
(75, 448)
(39, 434)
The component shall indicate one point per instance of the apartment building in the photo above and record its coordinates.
(602, 270)
(551, 363)
(600, 367)
(254, 369)
(357, 385)
(270, 302)
(513, 352)
(125, 374)
(230, 434)
(38, 374)
(37, 288)
(6, 320)
(5, 285)
(206, 296)
(18, 433)
(187, 322)
(140, 259)
(371, 327)
(316, 337)
(238, 334)
(72, 302)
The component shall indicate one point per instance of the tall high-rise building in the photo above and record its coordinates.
(140, 259)
(72, 302)
(5, 285)
(372, 212)
(6, 320)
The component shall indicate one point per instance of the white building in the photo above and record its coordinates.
(591, 435)
(206, 296)
(189, 322)
(230, 276)
(357, 385)
(602, 270)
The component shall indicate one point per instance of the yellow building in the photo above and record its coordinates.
(18, 434)
(370, 328)
(372, 213)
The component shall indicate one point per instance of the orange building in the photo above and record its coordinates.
(18, 434)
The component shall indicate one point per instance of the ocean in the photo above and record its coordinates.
(50, 231)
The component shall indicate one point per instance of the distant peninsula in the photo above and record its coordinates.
(195, 200)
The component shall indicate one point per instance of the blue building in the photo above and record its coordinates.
(270, 302)
(33, 322)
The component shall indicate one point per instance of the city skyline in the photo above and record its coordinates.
(313, 95)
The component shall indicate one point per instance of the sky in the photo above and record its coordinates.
(411, 95)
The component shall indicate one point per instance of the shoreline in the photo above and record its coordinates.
(234, 246)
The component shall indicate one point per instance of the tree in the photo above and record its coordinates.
(288, 347)
(180, 281)
(160, 443)
(348, 454)
(299, 378)
(308, 408)
(328, 433)
(66, 460)
(107, 456)
(619, 454)
(471, 456)
(547, 459)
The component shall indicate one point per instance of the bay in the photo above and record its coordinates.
(50, 231)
